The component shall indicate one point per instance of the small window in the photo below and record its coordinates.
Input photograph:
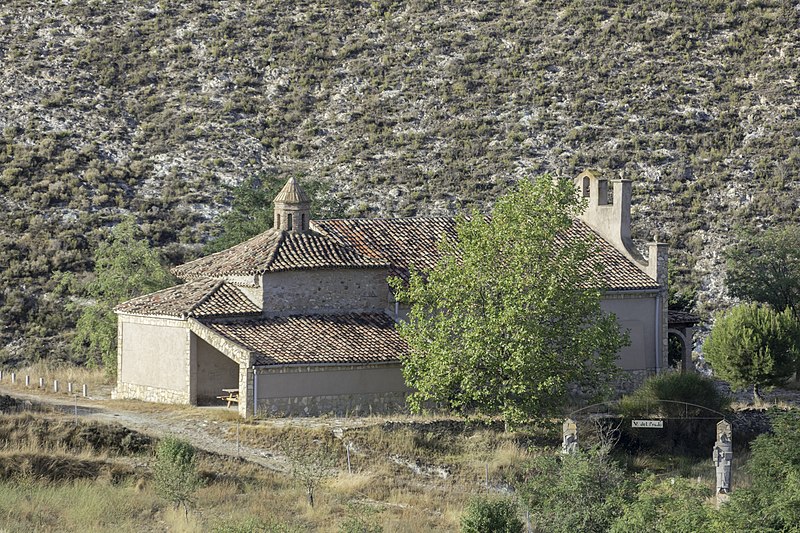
(289, 222)
(586, 186)
(303, 222)
(278, 221)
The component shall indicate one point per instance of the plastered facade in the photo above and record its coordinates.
(153, 359)
(339, 390)
(636, 314)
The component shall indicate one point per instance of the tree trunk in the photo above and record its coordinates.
(310, 493)
(757, 399)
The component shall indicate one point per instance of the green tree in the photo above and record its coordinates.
(676, 505)
(251, 212)
(175, 473)
(252, 209)
(766, 268)
(125, 266)
(510, 316)
(754, 345)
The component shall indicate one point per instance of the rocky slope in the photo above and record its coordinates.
(402, 108)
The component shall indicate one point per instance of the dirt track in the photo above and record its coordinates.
(204, 432)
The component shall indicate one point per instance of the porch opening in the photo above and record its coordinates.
(215, 371)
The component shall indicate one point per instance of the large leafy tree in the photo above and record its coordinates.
(510, 317)
(752, 345)
(766, 268)
(125, 266)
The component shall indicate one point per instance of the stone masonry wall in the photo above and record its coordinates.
(147, 393)
(323, 291)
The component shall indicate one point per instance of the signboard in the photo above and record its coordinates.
(647, 423)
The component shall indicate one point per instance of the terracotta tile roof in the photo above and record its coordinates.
(402, 242)
(618, 273)
(406, 241)
(203, 298)
(316, 339)
(274, 251)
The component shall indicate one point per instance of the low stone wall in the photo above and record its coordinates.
(630, 380)
(146, 393)
(342, 405)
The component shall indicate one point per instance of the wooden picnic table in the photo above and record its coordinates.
(230, 396)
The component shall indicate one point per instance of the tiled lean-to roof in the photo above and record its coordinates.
(414, 241)
(316, 339)
(205, 298)
(275, 251)
(682, 318)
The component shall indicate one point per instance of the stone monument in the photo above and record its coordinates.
(569, 433)
(723, 458)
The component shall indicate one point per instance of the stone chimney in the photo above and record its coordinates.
(609, 214)
(292, 208)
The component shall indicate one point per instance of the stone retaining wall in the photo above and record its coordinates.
(350, 405)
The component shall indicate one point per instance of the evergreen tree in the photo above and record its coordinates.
(252, 209)
(752, 345)
(766, 268)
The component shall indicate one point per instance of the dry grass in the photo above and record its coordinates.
(97, 381)
(240, 496)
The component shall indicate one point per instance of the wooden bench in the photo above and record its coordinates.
(230, 396)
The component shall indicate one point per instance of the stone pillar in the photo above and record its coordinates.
(723, 458)
(569, 433)
(688, 344)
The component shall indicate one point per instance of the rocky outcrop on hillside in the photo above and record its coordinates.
(402, 108)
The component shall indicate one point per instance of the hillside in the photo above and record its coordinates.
(402, 108)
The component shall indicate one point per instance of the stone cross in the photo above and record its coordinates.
(723, 457)
(569, 433)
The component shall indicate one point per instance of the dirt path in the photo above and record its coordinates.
(207, 432)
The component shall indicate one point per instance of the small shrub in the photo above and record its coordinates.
(360, 519)
(311, 466)
(490, 515)
(669, 506)
(175, 473)
(252, 524)
(686, 401)
(772, 501)
(579, 492)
